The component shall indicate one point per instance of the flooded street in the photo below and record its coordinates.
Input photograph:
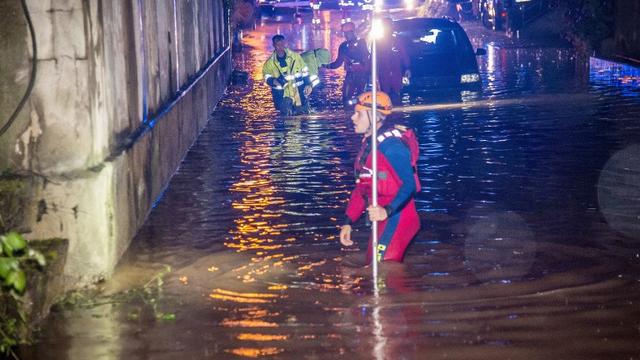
(530, 239)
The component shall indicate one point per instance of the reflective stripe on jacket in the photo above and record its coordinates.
(397, 180)
(313, 59)
(291, 76)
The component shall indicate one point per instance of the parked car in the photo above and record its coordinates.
(511, 14)
(460, 9)
(441, 54)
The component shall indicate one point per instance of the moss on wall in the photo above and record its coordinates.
(13, 197)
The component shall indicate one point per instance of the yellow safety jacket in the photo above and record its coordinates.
(314, 59)
(291, 77)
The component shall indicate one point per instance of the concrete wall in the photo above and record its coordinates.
(105, 70)
(627, 29)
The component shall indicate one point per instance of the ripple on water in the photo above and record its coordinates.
(514, 260)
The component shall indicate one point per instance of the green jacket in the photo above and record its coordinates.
(314, 59)
(291, 77)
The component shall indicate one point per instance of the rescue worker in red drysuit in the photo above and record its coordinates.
(353, 53)
(397, 181)
(393, 62)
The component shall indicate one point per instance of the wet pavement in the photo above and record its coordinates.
(529, 246)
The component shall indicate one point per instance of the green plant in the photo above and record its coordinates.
(15, 256)
(590, 20)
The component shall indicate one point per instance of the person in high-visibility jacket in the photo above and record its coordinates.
(288, 76)
(314, 60)
(397, 181)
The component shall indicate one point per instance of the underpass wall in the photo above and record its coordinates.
(122, 90)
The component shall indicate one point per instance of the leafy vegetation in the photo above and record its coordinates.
(15, 257)
(591, 21)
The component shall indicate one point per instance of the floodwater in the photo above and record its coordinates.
(529, 248)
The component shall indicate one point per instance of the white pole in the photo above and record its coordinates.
(378, 349)
(374, 149)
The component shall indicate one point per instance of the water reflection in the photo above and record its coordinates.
(624, 78)
(255, 352)
(521, 251)
(233, 296)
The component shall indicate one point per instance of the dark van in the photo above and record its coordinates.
(441, 54)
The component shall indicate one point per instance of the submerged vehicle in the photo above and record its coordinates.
(441, 54)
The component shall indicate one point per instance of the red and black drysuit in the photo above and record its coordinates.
(393, 62)
(355, 57)
(397, 184)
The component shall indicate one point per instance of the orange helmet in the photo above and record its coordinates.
(383, 102)
(348, 26)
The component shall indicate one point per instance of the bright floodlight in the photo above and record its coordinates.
(378, 5)
(377, 29)
(409, 4)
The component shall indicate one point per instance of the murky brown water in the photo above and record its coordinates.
(529, 246)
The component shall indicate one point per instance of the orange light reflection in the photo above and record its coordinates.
(261, 337)
(249, 298)
(255, 353)
(248, 323)
(237, 299)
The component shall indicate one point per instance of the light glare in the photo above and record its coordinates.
(409, 4)
(377, 30)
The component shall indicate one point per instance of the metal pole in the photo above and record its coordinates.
(374, 149)
(378, 349)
